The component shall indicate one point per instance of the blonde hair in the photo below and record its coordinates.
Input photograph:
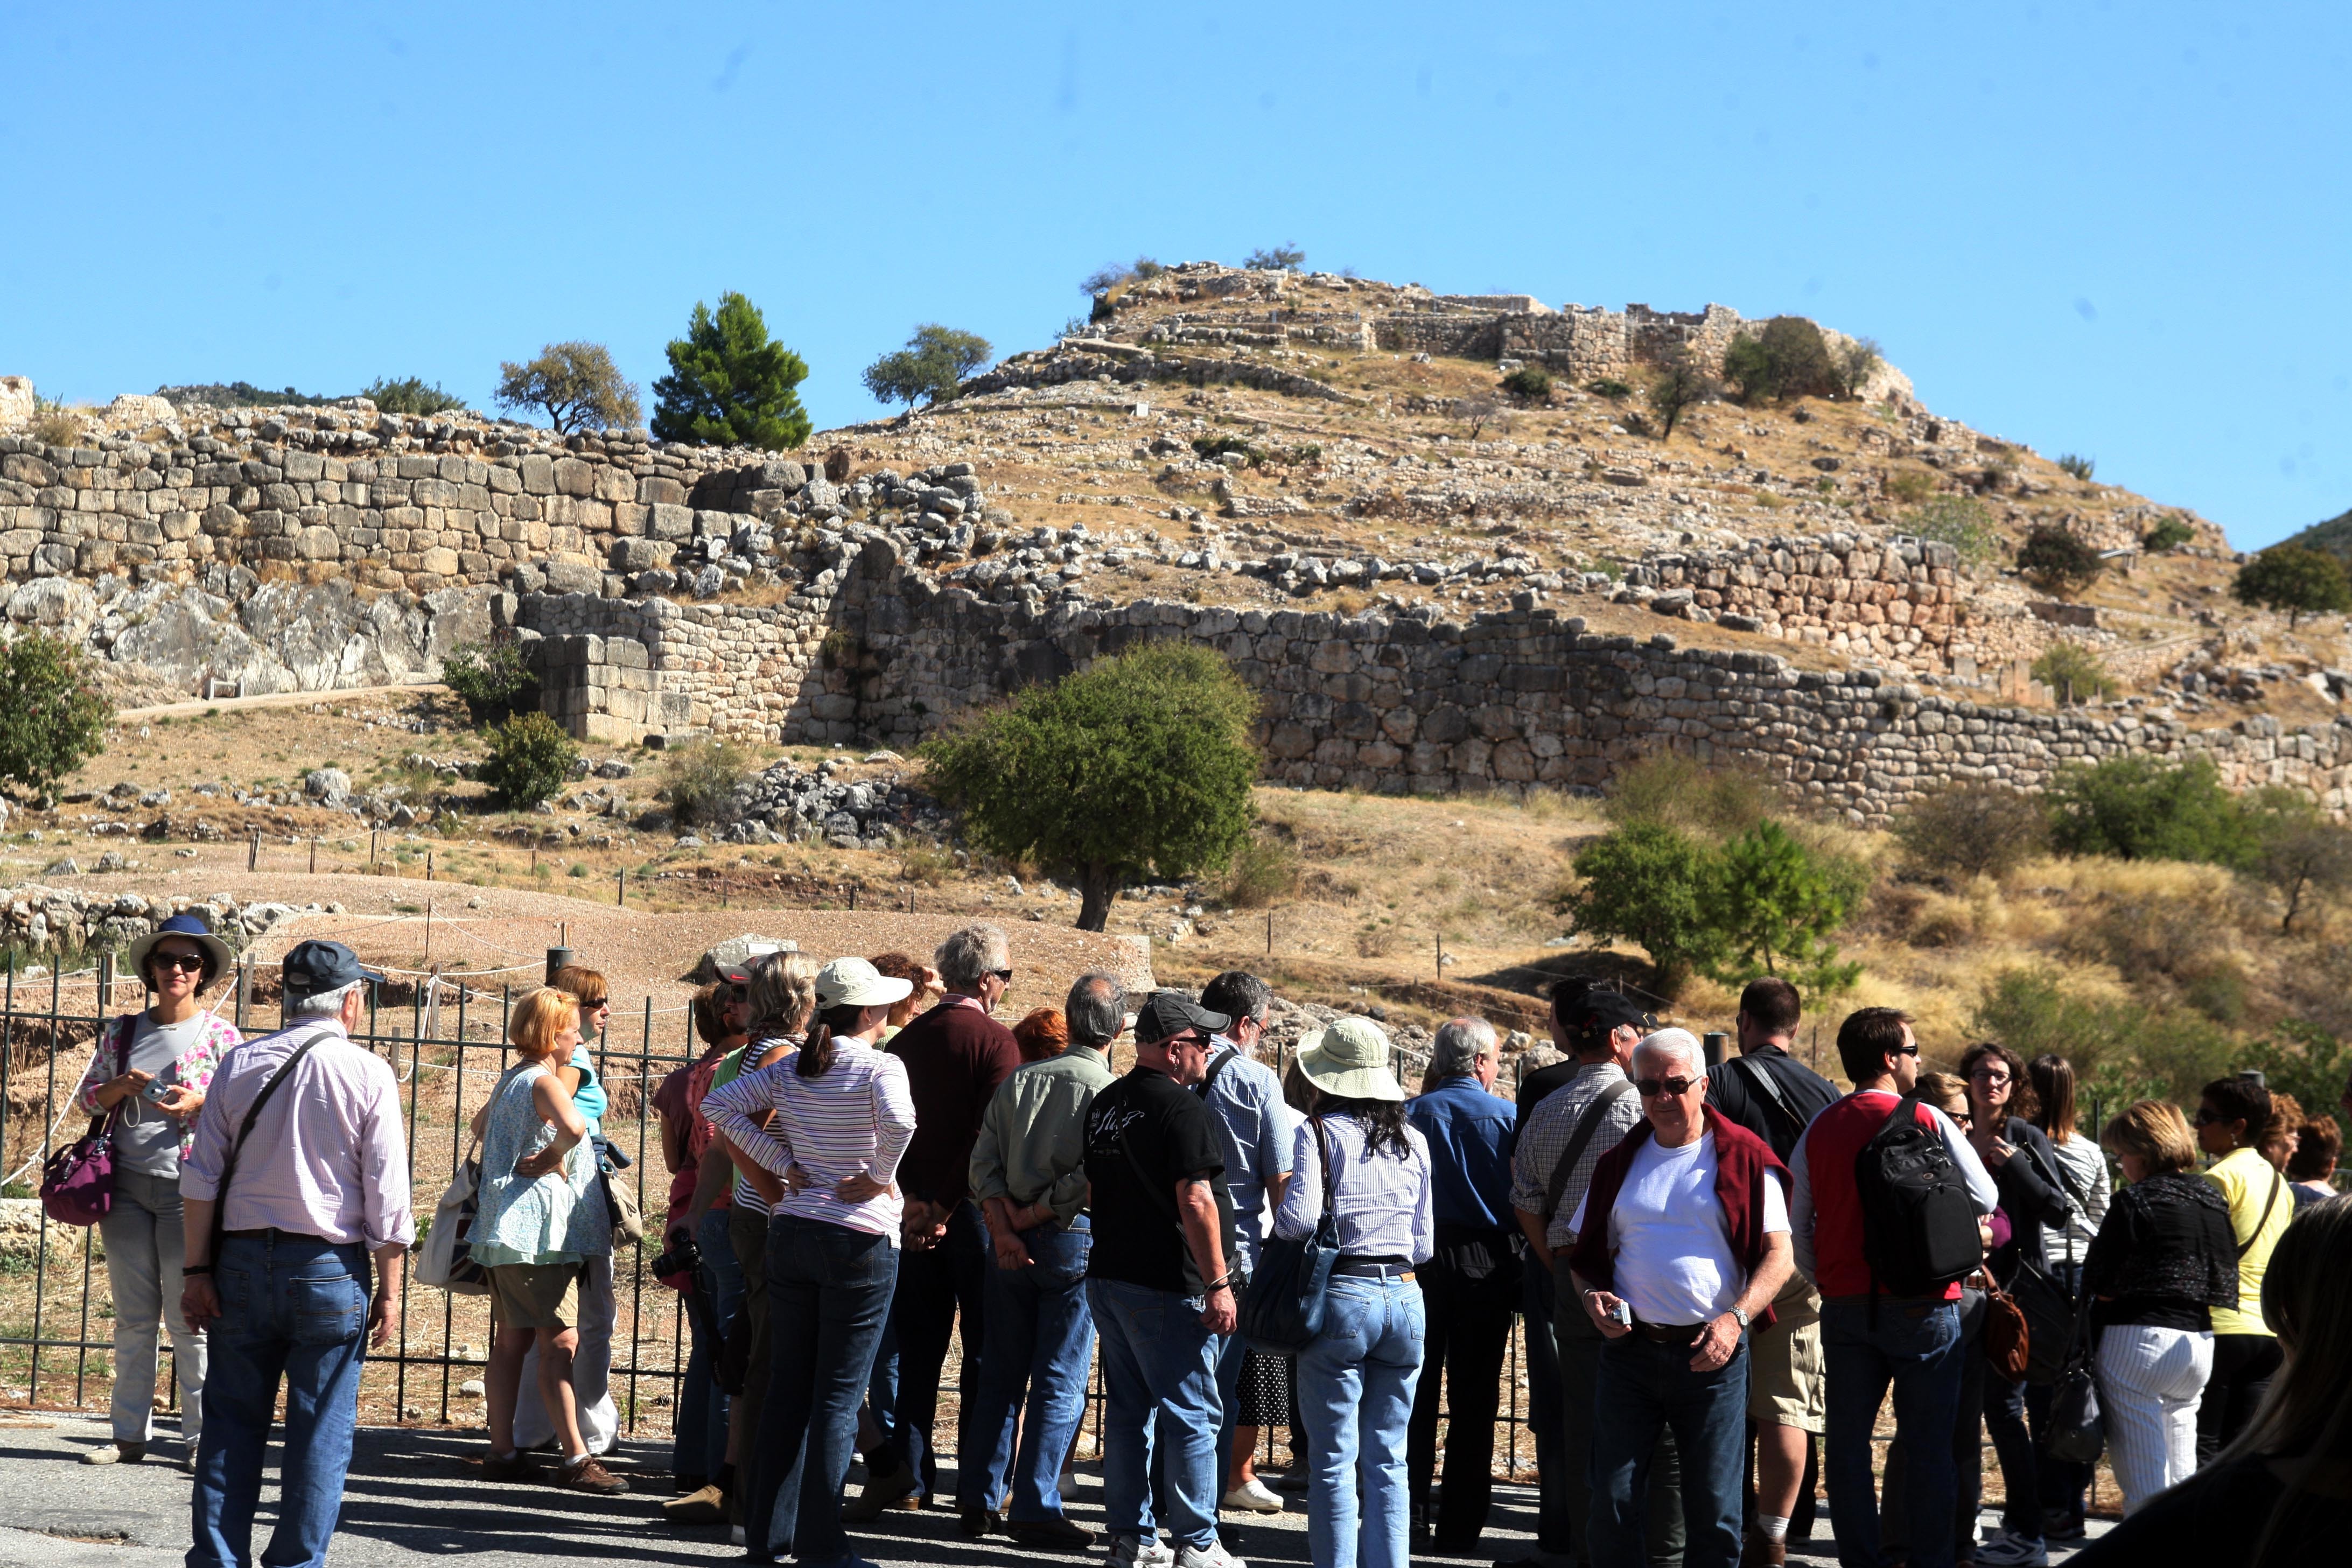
(2153, 1130)
(539, 1018)
(781, 994)
(2308, 1414)
(1943, 1090)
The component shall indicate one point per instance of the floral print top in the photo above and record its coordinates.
(194, 1070)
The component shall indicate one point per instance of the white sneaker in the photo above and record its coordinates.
(2007, 1549)
(1140, 1552)
(1212, 1555)
(1253, 1496)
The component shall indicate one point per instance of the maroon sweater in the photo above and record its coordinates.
(1741, 1163)
(956, 1056)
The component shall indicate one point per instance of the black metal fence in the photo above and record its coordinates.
(444, 1035)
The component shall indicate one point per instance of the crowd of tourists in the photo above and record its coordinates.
(1720, 1272)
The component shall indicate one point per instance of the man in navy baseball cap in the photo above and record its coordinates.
(312, 967)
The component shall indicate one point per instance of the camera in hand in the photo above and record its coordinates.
(681, 1256)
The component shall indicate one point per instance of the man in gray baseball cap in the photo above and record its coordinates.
(297, 1175)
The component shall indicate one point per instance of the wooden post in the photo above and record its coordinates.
(105, 980)
(1269, 933)
(253, 850)
(621, 887)
(428, 865)
(534, 859)
(429, 930)
(1441, 958)
(244, 992)
(853, 898)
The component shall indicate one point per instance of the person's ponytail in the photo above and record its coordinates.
(817, 1058)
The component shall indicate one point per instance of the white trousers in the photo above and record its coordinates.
(2150, 1381)
(592, 1370)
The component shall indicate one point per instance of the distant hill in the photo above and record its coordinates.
(2335, 534)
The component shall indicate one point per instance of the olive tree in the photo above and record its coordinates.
(1140, 765)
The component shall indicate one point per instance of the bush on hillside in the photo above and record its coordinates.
(1787, 357)
(936, 361)
(575, 385)
(1276, 259)
(2074, 673)
(2301, 856)
(699, 781)
(2300, 581)
(729, 383)
(2168, 534)
(409, 394)
(1673, 789)
(55, 718)
(1103, 280)
(1530, 382)
(2080, 468)
(1609, 388)
(1963, 522)
(1857, 362)
(2141, 808)
(1140, 765)
(1681, 385)
(491, 679)
(1910, 486)
(1966, 830)
(1771, 905)
(1642, 884)
(2058, 561)
(530, 759)
(1265, 870)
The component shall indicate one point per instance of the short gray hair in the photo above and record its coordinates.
(969, 954)
(1095, 1009)
(1460, 1043)
(1679, 1043)
(320, 1003)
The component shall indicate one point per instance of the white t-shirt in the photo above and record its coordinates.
(1673, 1243)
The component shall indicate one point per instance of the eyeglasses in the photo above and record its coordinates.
(1652, 1088)
(1988, 1075)
(188, 962)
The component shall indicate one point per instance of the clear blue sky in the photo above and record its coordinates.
(2113, 229)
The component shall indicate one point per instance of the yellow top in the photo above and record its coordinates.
(2248, 1182)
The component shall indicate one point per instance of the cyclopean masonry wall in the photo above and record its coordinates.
(1506, 703)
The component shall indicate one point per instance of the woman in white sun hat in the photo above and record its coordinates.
(825, 1166)
(1355, 1381)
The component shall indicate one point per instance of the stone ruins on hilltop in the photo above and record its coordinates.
(1237, 458)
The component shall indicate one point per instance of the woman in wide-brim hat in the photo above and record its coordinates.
(1355, 1381)
(150, 1074)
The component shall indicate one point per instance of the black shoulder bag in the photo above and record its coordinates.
(1284, 1311)
(252, 1114)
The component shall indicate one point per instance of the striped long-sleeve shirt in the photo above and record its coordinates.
(856, 1118)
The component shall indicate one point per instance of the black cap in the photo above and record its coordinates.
(315, 966)
(1602, 1012)
(732, 973)
(1171, 1013)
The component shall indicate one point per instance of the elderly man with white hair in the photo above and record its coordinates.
(1682, 1241)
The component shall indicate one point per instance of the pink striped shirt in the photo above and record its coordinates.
(858, 1118)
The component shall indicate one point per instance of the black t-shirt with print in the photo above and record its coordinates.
(1144, 1133)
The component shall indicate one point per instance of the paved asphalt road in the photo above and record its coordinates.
(413, 1499)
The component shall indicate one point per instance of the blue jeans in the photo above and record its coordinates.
(296, 1308)
(828, 1293)
(1641, 1389)
(701, 1443)
(1040, 1337)
(1355, 1393)
(1157, 1360)
(1915, 1346)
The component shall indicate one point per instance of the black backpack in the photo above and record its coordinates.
(1919, 1223)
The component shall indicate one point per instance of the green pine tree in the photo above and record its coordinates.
(1773, 905)
(729, 384)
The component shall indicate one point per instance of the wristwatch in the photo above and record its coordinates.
(1741, 1314)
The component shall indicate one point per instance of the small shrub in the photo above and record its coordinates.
(491, 680)
(55, 424)
(1673, 789)
(1681, 385)
(1208, 448)
(1376, 941)
(1961, 521)
(530, 759)
(2080, 468)
(1265, 870)
(1857, 362)
(1105, 279)
(1276, 259)
(575, 385)
(1910, 486)
(1970, 830)
(577, 869)
(2165, 535)
(1530, 382)
(2295, 579)
(2058, 561)
(1788, 357)
(2073, 674)
(55, 717)
(410, 395)
(924, 862)
(1304, 455)
(2139, 808)
(1609, 388)
(699, 781)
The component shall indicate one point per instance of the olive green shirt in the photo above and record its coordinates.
(1032, 1137)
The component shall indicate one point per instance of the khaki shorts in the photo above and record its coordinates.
(531, 1295)
(1785, 1385)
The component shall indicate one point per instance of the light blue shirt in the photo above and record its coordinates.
(1381, 1206)
(1253, 1124)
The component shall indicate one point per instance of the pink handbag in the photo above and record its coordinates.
(77, 1181)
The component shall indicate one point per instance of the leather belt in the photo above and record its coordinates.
(269, 1231)
(1373, 1268)
(1670, 1333)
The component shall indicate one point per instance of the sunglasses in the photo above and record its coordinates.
(1651, 1088)
(2207, 1116)
(1003, 974)
(188, 962)
(1173, 1041)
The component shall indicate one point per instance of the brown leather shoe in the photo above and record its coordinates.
(589, 1476)
(504, 1468)
(708, 1506)
(1762, 1552)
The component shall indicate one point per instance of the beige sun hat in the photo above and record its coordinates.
(1349, 1060)
(854, 983)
